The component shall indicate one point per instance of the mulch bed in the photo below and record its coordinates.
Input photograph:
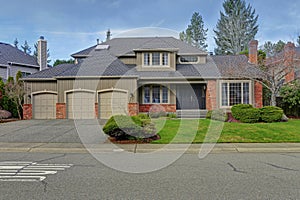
(8, 120)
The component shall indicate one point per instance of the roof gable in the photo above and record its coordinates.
(10, 54)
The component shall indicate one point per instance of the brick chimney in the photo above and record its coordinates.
(42, 53)
(108, 35)
(253, 52)
(289, 52)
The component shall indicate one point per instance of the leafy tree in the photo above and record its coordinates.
(272, 49)
(298, 41)
(35, 52)
(15, 91)
(290, 93)
(195, 34)
(59, 62)
(16, 43)
(236, 27)
(26, 48)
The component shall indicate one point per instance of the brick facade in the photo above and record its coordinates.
(157, 107)
(133, 109)
(61, 111)
(211, 95)
(27, 111)
(258, 95)
(96, 110)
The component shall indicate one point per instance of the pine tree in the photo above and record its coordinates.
(236, 27)
(271, 49)
(195, 33)
(298, 41)
(26, 48)
(16, 43)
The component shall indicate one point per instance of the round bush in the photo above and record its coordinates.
(271, 114)
(250, 115)
(143, 116)
(237, 110)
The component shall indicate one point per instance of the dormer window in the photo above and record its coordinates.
(156, 59)
(188, 59)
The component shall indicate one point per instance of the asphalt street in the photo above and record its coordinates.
(217, 176)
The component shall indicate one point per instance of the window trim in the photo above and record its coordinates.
(151, 94)
(160, 59)
(228, 91)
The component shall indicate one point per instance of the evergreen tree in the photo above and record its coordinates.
(236, 27)
(59, 62)
(271, 49)
(195, 33)
(16, 43)
(298, 41)
(26, 48)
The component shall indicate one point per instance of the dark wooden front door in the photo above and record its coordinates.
(190, 97)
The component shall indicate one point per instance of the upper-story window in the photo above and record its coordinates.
(188, 59)
(156, 59)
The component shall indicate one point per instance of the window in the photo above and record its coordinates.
(156, 59)
(25, 74)
(155, 94)
(235, 93)
(188, 59)
(147, 59)
(165, 59)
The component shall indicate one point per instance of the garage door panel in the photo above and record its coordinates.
(44, 106)
(81, 105)
(112, 103)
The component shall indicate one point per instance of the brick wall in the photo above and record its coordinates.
(258, 95)
(27, 111)
(133, 109)
(157, 107)
(211, 95)
(96, 110)
(61, 111)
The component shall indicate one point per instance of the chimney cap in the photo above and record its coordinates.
(42, 37)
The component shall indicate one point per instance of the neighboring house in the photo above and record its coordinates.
(13, 60)
(136, 75)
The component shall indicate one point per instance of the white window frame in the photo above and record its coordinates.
(160, 59)
(228, 91)
(151, 94)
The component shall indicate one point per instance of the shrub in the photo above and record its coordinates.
(172, 115)
(219, 115)
(143, 116)
(125, 127)
(271, 114)
(153, 114)
(250, 115)
(237, 110)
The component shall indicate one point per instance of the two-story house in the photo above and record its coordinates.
(13, 60)
(134, 75)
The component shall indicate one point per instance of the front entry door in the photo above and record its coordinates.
(189, 97)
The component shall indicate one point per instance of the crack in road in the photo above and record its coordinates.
(235, 169)
(54, 157)
(280, 167)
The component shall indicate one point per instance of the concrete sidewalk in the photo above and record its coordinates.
(147, 148)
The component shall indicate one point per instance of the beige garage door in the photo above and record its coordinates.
(81, 105)
(112, 103)
(44, 106)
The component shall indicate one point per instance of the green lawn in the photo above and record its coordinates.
(196, 131)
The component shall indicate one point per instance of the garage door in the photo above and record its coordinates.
(81, 105)
(112, 103)
(44, 106)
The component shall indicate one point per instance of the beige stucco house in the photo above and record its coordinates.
(134, 75)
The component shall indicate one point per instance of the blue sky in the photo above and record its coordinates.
(72, 25)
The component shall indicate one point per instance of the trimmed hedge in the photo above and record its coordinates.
(271, 114)
(250, 115)
(143, 116)
(237, 110)
(219, 115)
(124, 127)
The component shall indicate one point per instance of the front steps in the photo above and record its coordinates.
(191, 113)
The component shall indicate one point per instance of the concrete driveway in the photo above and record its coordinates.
(50, 131)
